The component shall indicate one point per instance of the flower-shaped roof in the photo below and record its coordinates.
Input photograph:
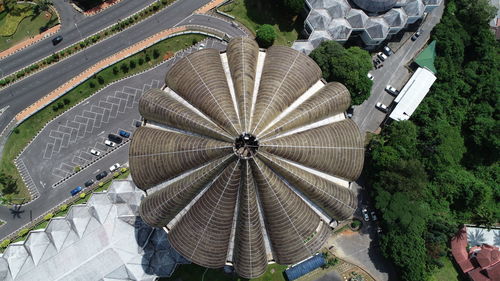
(375, 6)
(247, 157)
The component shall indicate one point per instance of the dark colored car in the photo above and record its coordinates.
(415, 36)
(57, 40)
(76, 190)
(124, 134)
(89, 183)
(103, 174)
(114, 138)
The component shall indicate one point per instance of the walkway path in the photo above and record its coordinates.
(28, 42)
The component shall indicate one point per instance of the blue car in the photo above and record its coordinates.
(124, 134)
(76, 190)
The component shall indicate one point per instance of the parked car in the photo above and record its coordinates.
(124, 134)
(56, 40)
(114, 167)
(415, 36)
(365, 214)
(382, 107)
(138, 123)
(387, 50)
(102, 175)
(379, 229)
(95, 152)
(391, 90)
(381, 56)
(370, 76)
(114, 138)
(374, 216)
(201, 47)
(109, 143)
(76, 190)
(89, 183)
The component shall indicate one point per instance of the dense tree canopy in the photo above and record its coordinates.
(347, 66)
(265, 35)
(295, 6)
(441, 169)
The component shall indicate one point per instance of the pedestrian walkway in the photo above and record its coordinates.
(209, 6)
(101, 7)
(41, 103)
(29, 42)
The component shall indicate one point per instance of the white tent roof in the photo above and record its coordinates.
(102, 240)
(412, 94)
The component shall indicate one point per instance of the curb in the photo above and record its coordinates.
(76, 43)
(44, 35)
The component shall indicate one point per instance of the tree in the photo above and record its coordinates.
(8, 183)
(347, 66)
(266, 35)
(294, 6)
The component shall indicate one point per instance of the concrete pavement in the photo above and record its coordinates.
(395, 73)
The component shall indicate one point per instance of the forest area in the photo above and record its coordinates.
(440, 170)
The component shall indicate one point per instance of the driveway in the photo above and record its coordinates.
(65, 142)
(395, 73)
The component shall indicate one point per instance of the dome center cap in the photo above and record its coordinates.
(246, 146)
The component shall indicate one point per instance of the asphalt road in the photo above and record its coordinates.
(69, 16)
(395, 73)
(41, 169)
(26, 92)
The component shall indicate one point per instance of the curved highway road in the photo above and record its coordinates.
(86, 25)
(24, 93)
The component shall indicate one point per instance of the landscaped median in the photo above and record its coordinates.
(68, 97)
(61, 210)
(89, 41)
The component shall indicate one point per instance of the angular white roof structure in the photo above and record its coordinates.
(412, 94)
(376, 20)
(102, 240)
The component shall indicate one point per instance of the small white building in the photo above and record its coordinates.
(412, 94)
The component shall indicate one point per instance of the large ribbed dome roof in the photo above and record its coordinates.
(246, 156)
(375, 6)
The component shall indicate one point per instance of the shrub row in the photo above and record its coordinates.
(152, 9)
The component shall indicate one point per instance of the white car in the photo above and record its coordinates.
(370, 76)
(201, 47)
(114, 167)
(391, 90)
(109, 143)
(365, 214)
(381, 56)
(382, 107)
(95, 152)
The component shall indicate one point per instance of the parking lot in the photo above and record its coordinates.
(65, 143)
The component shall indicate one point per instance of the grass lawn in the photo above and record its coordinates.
(28, 129)
(254, 13)
(193, 272)
(446, 273)
(10, 21)
(28, 27)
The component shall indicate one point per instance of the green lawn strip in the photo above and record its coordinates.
(29, 128)
(446, 273)
(29, 26)
(255, 13)
(193, 272)
(89, 41)
(9, 23)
